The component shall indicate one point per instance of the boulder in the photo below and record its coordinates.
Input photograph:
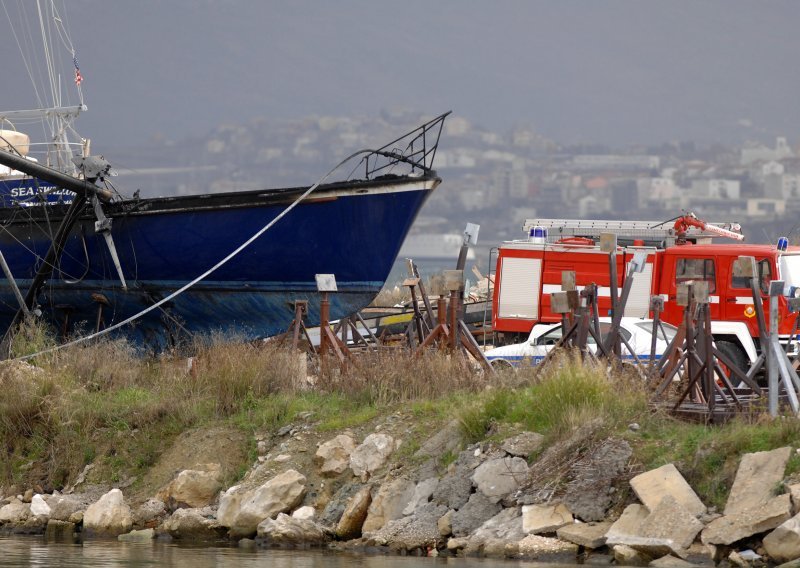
(669, 561)
(536, 546)
(538, 519)
(229, 504)
(587, 535)
(522, 445)
(39, 507)
(59, 531)
(422, 494)
(149, 513)
(193, 524)
(454, 489)
(669, 528)
(145, 535)
(731, 528)
(652, 485)
(109, 515)
(337, 504)
(783, 544)
(794, 491)
(333, 457)
(280, 494)
(626, 556)
(388, 504)
(445, 523)
(355, 513)
(15, 512)
(418, 531)
(496, 478)
(505, 526)
(758, 475)
(64, 506)
(627, 525)
(193, 487)
(306, 512)
(284, 530)
(371, 455)
(445, 440)
(591, 492)
(473, 514)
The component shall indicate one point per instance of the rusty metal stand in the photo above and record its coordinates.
(328, 341)
(298, 327)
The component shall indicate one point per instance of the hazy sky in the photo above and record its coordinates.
(609, 71)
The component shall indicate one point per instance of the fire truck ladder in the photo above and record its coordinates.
(645, 230)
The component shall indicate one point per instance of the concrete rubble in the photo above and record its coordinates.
(355, 497)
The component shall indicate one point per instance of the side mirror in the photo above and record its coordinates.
(533, 341)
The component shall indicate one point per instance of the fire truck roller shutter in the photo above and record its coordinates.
(521, 280)
(638, 305)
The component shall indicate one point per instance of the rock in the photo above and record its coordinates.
(63, 506)
(670, 561)
(247, 543)
(473, 514)
(538, 519)
(587, 535)
(590, 493)
(337, 504)
(626, 556)
(15, 512)
(27, 496)
(535, 546)
(39, 508)
(627, 525)
(145, 535)
(731, 528)
(783, 544)
(280, 494)
(522, 445)
(496, 478)
(76, 518)
(447, 439)
(371, 455)
(794, 491)
(192, 524)
(149, 513)
(286, 530)
(306, 512)
(445, 524)
(333, 457)
(192, 487)
(454, 489)
(418, 531)
(669, 527)
(456, 544)
(352, 519)
(739, 559)
(652, 485)
(110, 515)
(505, 526)
(758, 475)
(388, 504)
(59, 531)
(229, 504)
(422, 494)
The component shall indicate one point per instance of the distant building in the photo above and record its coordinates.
(716, 188)
(761, 153)
(762, 207)
(782, 186)
(615, 162)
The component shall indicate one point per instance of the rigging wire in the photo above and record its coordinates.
(204, 275)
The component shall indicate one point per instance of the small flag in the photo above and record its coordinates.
(78, 76)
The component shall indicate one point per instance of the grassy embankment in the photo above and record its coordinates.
(104, 404)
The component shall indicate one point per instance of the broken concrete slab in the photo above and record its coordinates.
(626, 556)
(670, 561)
(671, 522)
(758, 475)
(783, 544)
(627, 525)
(651, 486)
(587, 535)
(539, 519)
(731, 528)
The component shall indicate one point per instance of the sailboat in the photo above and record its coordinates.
(154, 270)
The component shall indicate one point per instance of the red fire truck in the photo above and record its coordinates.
(528, 271)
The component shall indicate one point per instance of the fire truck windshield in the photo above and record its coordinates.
(790, 269)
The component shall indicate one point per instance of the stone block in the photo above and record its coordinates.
(651, 486)
(731, 528)
(538, 519)
(587, 535)
(758, 475)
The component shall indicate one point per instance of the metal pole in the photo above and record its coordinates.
(772, 361)
(13, 283)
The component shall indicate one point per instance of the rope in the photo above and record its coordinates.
(185, 287)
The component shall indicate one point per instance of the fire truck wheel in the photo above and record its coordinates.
(735, 354)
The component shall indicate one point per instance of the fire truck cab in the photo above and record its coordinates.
(528, 271)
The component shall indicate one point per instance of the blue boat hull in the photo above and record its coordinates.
(352, 230)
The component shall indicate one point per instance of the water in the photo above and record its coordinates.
(33, 551)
